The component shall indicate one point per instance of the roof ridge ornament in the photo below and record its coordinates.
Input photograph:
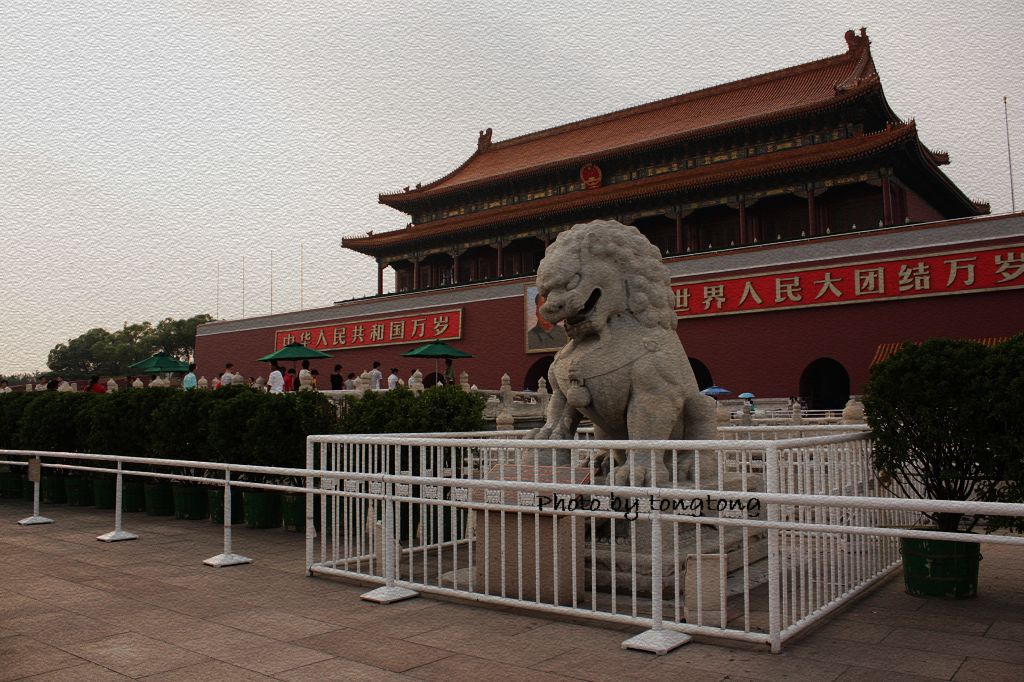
(484, 142)
(854, 41)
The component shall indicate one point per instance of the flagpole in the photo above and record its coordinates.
(271, 282)
(301, 265)
(243, 287)
(218, 291)
(1009, 158)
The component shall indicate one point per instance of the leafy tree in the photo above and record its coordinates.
(99, 351)
(930, 408)
(1006, 374)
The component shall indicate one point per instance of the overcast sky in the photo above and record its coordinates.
(140, 146)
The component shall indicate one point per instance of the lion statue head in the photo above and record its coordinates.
(600, 269)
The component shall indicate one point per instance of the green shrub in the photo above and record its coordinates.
(12, 406)
(436, 410)
(931, 409)
(1006, 373)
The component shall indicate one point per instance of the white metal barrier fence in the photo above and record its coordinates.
(549, 525)
(748, 540)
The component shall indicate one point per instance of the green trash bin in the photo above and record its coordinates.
(215, 502)
(940, 568)
(262, 508)
(159, 499)
(78, 490)
(189, 501)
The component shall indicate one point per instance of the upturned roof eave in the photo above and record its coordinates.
(379, 244)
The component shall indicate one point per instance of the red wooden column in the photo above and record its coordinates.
(886, 201)
(380, 278)
(812, 216)
(679, 232)
(415, 273)
(455, 267)
(743, 221)
(501, 259)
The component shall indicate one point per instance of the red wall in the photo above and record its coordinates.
(764, 353)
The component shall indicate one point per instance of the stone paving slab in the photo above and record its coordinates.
(72, 608)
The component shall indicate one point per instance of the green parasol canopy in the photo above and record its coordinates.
(295, 351)
(159, 363)
(436, 349)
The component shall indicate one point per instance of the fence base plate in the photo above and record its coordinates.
(388, 595)
(117, 536)
(34, 521)
(222, 560)
(656, 641)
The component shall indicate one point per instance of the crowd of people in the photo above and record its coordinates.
(278, 381)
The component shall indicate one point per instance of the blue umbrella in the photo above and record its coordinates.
(716, 391)
(747, 394)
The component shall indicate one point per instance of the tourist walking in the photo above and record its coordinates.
(393, 380)
(275, 381)
(189, 382)
(95, 386)
(449, 372)
(305, 378)
(337, 381)
(375, 375)
(290, 380)
(228, 377)
(350, 382)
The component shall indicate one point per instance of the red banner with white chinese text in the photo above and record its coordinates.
(918, 276)
(387, 331)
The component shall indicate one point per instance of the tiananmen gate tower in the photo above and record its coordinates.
(807, 229)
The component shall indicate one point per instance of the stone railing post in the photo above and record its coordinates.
(505, 392)
(853, 413)
(543, 395)
(111, 386)
(746, 418)
(138, 383)
(797, 413)
(416, 383)
(464, 381)
(363, 382)
(203, 383)
(261, 383)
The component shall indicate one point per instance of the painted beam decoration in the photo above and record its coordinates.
(385, 331)
(958, 272)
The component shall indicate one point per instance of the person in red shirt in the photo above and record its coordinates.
(289, 381)
(95, 386)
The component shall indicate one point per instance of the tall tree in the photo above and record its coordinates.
(99, 351)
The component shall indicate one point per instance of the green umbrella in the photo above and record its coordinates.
(436, 349)
(294, 351)
(159, 363)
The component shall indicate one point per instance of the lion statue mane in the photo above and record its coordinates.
(624, 367)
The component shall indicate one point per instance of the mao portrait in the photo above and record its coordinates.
(541, 335)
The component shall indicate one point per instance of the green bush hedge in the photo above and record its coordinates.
(236, 424)
(947, 422)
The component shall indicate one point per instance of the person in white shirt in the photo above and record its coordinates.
(305, 377)
(393, 380)
(4, 388)
(375, 376)
(275, 382)
(228, 377)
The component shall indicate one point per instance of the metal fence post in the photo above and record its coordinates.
(390, 592)
(771, 457)
(118, 533)
(35, 470)
(310, 496)
(656, 640)
(227, 558)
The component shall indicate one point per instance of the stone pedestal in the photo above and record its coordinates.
(710, 589)
(551, 551)
(495, 549)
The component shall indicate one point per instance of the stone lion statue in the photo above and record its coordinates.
(624, 367)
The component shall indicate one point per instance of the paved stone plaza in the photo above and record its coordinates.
(72, 608)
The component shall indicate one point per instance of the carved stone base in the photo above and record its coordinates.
(601, 552)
